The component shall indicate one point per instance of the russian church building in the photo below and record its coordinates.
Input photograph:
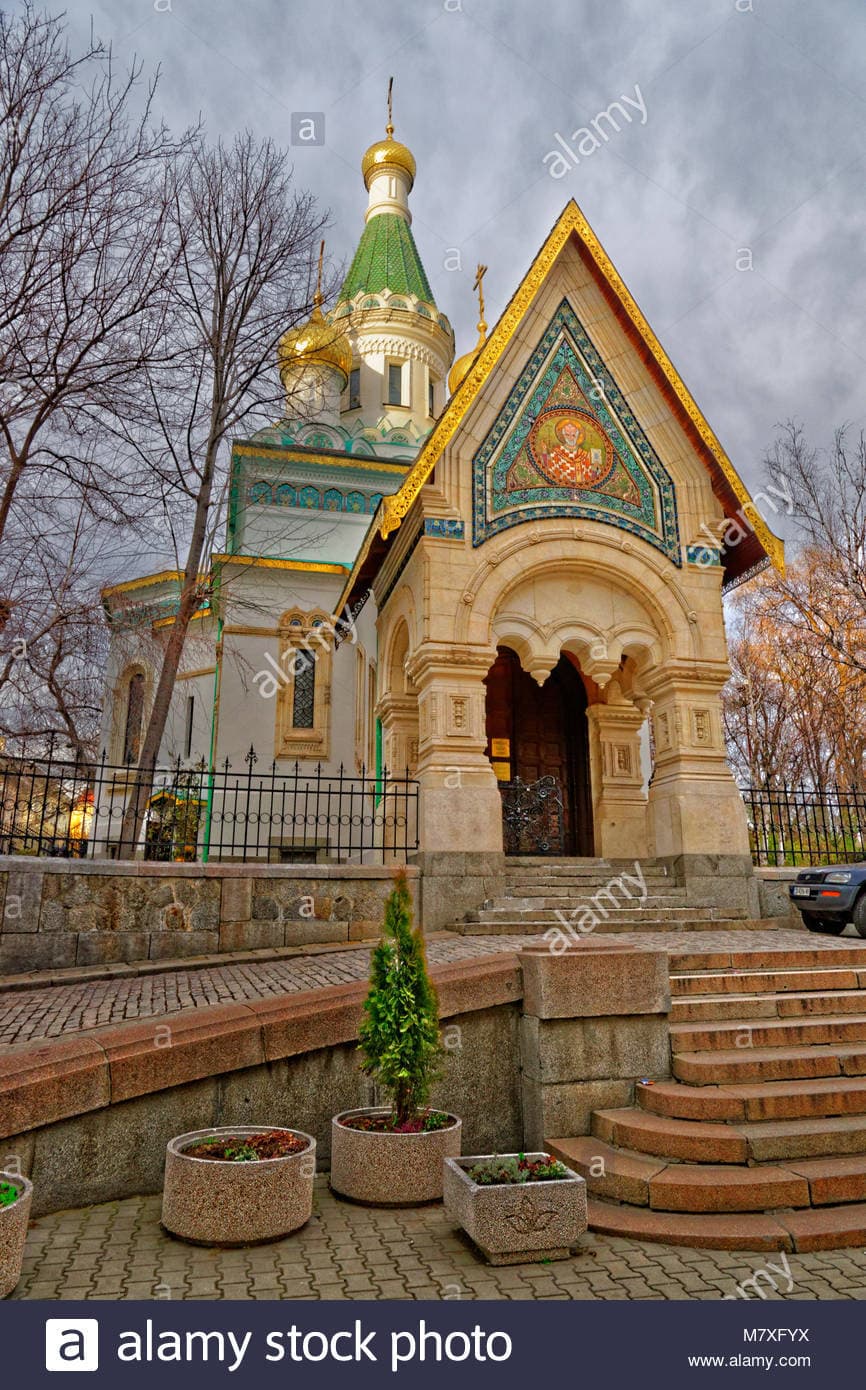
(508, 568)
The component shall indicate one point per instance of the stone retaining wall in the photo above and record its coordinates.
(89, 1118)
(55, 913)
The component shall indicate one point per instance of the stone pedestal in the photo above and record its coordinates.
(595, 1020)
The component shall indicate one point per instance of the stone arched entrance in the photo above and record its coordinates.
(538, 746)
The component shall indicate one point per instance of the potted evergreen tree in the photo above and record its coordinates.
(393, 1155)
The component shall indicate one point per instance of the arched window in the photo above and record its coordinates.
(134, 717)
(304, 699)
(304, 690)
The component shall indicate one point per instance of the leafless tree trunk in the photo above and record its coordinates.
(248, 242)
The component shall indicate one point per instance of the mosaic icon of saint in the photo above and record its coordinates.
(569, 463)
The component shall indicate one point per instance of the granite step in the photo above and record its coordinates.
(767, 981)
(768, 1064)
(703, 1141)
(768, 1100)
(827, 1228)
(624, 1176)
(739, 1231)
(760, 959)
(530, 926)
(515, 908)
(767, 1033)
(719, 1008)
(547, 900)
(693, 1141)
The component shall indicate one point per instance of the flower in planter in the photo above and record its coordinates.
(9, 1193)
(517, 1168)
(399, 1038)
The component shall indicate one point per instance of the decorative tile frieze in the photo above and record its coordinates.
(444, 528)
(567, 444)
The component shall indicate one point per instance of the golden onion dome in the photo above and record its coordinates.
(462, 367)
(317, 342)
(388, 154)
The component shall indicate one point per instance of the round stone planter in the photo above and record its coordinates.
(381, 1169)
(13, 1232)
(209, 1201)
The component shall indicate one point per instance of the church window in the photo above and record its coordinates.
(134, 718)
(304, 695)
(431, 397)
(304, 690)
(395, 383)
(355, 388)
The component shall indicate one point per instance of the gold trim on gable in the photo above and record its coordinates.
(570, 221)
(265, 562)
(162, 578)
(345, 461)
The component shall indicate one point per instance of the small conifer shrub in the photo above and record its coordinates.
(399, 1037)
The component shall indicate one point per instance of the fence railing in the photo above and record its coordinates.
(56, 807)
(793, 825)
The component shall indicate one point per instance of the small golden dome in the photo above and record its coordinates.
(462, 367)
(316, 341)
(388, 153)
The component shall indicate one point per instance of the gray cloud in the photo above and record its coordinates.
(753, 139)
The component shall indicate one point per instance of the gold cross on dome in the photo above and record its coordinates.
(478, 285)
(389, 129)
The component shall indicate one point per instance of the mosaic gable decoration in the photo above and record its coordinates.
(567, 444)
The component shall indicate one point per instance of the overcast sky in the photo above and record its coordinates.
(749, 150)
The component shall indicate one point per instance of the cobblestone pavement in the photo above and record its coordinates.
(119, 1250)
(55, 1010)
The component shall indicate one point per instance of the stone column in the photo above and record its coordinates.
(399, 716)
(460, 806)
(619, 801)
(697, 817)
(595, 1020)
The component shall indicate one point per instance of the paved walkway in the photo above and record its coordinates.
(53, 1011)
(119, 1251)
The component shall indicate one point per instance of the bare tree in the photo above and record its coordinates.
(794, 710)
(825, 598)
(247, 242)
(55, 639)
(85, 265)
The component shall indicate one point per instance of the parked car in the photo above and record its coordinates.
(832, 897)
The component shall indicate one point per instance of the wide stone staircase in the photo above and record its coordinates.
(598, 895)
(759, 1140)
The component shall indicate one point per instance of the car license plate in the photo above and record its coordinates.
(801, 891)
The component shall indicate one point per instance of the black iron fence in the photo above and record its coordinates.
(51, 806)
(793, 825)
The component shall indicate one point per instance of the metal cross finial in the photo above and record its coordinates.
(478, 285)
(389, 129)
(317, 297)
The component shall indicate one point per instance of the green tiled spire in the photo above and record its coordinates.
(387, 259)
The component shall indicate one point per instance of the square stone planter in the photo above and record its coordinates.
(514, 1223)
(381, 1169)
(13, 1232)
(209, 1201)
